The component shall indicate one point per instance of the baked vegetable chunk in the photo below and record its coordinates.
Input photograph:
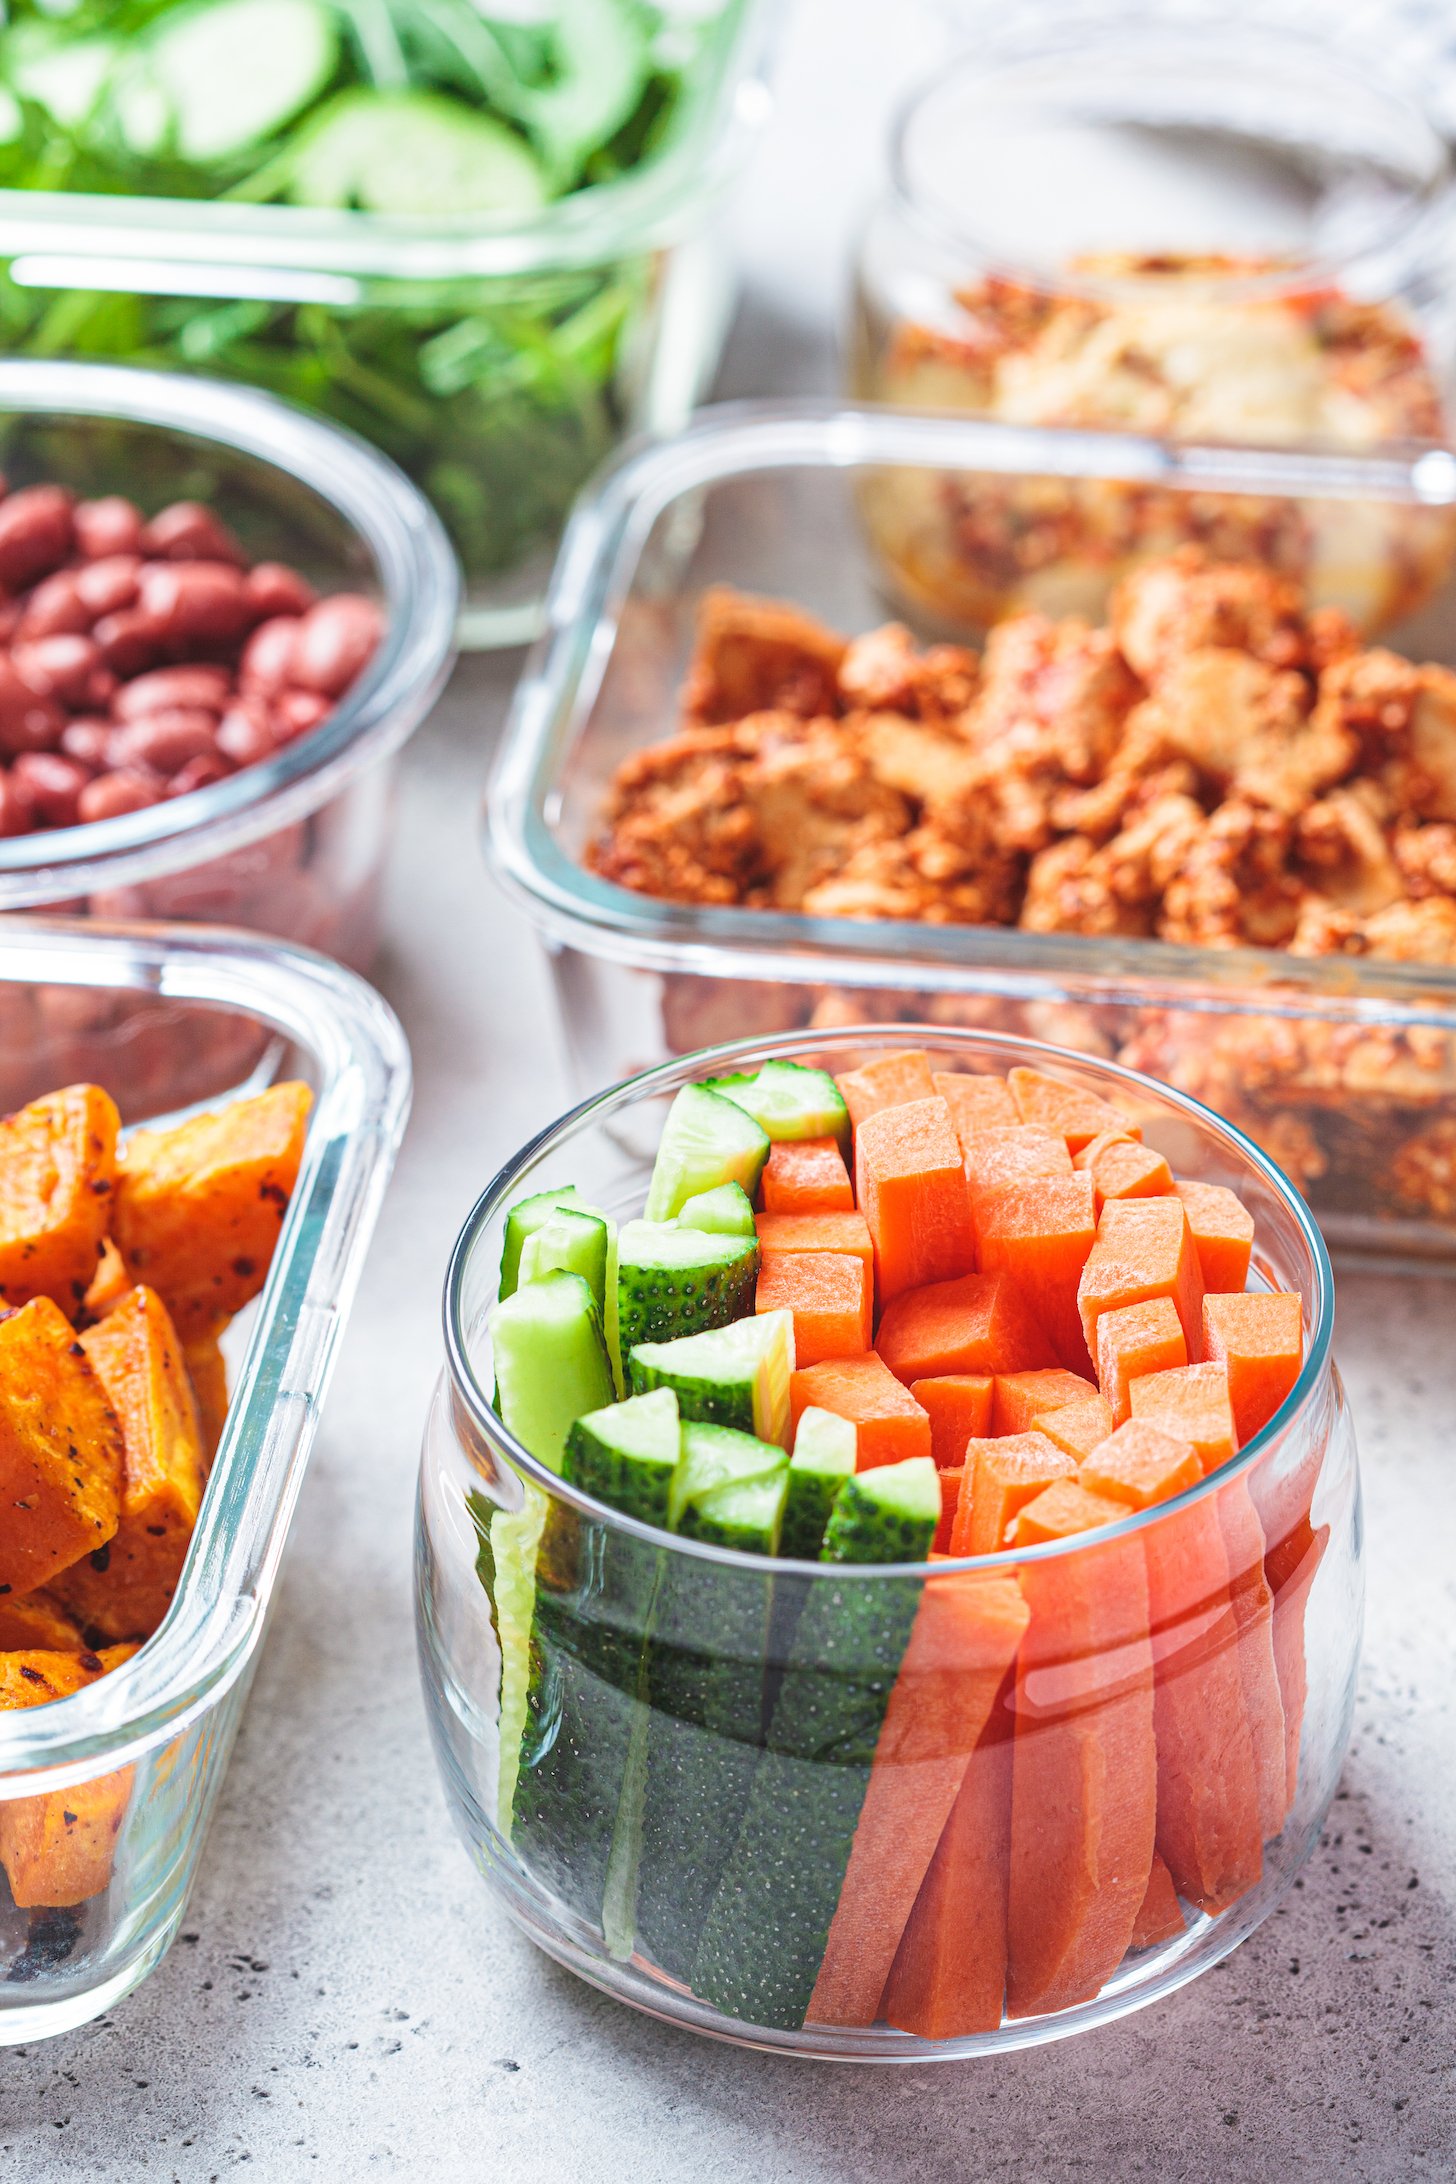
(60, 1450)
(57, 1848)
(125, 1590)
(199, 1206)
(57, 1173)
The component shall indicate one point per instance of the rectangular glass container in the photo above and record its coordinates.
(1344, 1069)
(144, 1749)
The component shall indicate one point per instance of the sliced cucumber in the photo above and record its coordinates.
(789, 1101)
(726, 1211)
(628, 1454)
(570, 1241)
(523, 1219)
(601, 57)
(674, 1281)
(550, 1362)
(731, 1376)
(413, 153)
(888, 1514)
(236, 72)
(824, 1457)
(716, 1459)
(705, 1141)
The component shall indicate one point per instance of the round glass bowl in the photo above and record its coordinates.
(689, 1866)
(1148, 227)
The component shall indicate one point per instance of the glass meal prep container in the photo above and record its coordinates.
(1344, 1069)
(650, 1653)
(294, 845)
(496, 361)
(152, 1738)
(1152, 226)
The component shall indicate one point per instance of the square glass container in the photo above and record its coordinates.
(1344, 1069)
(144, 1749)
(497, 363)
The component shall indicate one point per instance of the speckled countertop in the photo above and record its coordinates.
(345, 2002)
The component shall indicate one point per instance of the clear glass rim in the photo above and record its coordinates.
(1065, 39)
(596, 1110)
(725, 105)
(418, 578)
(359, 1050)
(599, 554)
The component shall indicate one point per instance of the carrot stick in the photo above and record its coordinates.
(1192, 1403)
(1121, 1167)
(1042, 1232)
(1259, 1340)
(1132, 1341)
(1161, 1916)
(911, 1189)
(1075, 1115)
(1253, 1606)
(828, 1293)
(1001, 1477)
(1077, 1428)
(1290, 1566)
(1223, 1230)
(951, 1481)
(959, 1408)
(1020, 1396)
(975, 1103)
(891, 1080)
(1144, 1249)
(806, 1175)
(979, 1323)
(815, 1232)
(889, 1424)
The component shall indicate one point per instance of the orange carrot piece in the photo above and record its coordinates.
(950, 1497)
(980, 1323)
(1073, 1114)
(1020, 1397)
(1223, 1230)
(1161, 1916)
(1121, 1167)
(998, 1158)
(806, 1175)
(1290, 1566)
(1002, 1476)
(959, 1408)
(1144, 1249)
(1084, 1763)
(975, 1103)
(891, 1080)
(1134, 1340)
(815, 1232)
(1064, 1506)
(1140, 1464)
(1042, 1232)
(889, 1424)
(1252, 1599)
(1259, 1340)
(1192, 1403)
(964, 1638)
(829, 1294)
(911, 1189)
(1077, 1428)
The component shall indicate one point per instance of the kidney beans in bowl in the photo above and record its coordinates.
(220, 619)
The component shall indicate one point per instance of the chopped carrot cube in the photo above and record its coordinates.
(1144, 1249)
(1223, 1230)
(950, 1498)
(828, 1293)
(815, 1232)
(975, 1103)
(959, 1408)
(1259, 1340)
(806, 1175)
(891, 1080)
(1134, 1340)
(889, 1424)
(1192, 1403)
(980, 1323)
(1019, 1397)
(1077, 1428)
(1140, 1464)
(1064, 1507)
(1042, 1232)
(997, 1158)
(1121, 1167)
(1161, 1916)
(1074, 1115)
(1001, 1477)
(912, 1191)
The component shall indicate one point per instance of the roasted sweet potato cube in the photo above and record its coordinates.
(57, 1848)
(60, 1450)
(108, 1285)
(57, 1174)
(199, 1206)
(126, 1589)
(37, 1623)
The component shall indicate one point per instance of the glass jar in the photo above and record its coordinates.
(1160, 229)
(687, 1862)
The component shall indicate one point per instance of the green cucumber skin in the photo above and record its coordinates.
(862, 1530)
(811, 1499)
(522, 1219)
(707, 1401)
(657, 1304)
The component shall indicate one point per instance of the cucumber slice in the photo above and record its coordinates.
(705, 1685)
(601, 56)
(629, 1454)
(726, 1211)
(674, 1281)
(763, 1940)
(523, 1219)
(824, 1457)
(236, 72)
(789, 1101)
(705, 1141)
(570, 1241)
(731, 1376)
(413, 153)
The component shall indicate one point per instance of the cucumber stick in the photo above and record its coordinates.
(732, 1376)
(418, 153)
(789, 1101)
(724, 1211)
(674, 1281)
(705, 1141)
(763, 1940)
(570, 1241)
(522, 1221)
(823, 1458)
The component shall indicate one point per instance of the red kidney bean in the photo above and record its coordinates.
(187, 531)
(107, 585)
(246, 734)
(267, 662)
(63, 667)
(198, 773)
(112, 794)
(108, 527)
(161, 742)
(195, 602)
(30, 719)
(36, 532)
(128, 639)
(54, 785)
(54, 609)
(198, 688)
(335, 642)
(87, 741)
(296, 711)
(17, 813)
(276, 589)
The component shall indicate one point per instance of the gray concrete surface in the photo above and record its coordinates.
(346, 2002)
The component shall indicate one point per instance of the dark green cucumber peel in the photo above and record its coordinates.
(522, 1220)
(789, 1101)
(736, 1376)
(764, 1938)
(823, 1458)
(674, 1281)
